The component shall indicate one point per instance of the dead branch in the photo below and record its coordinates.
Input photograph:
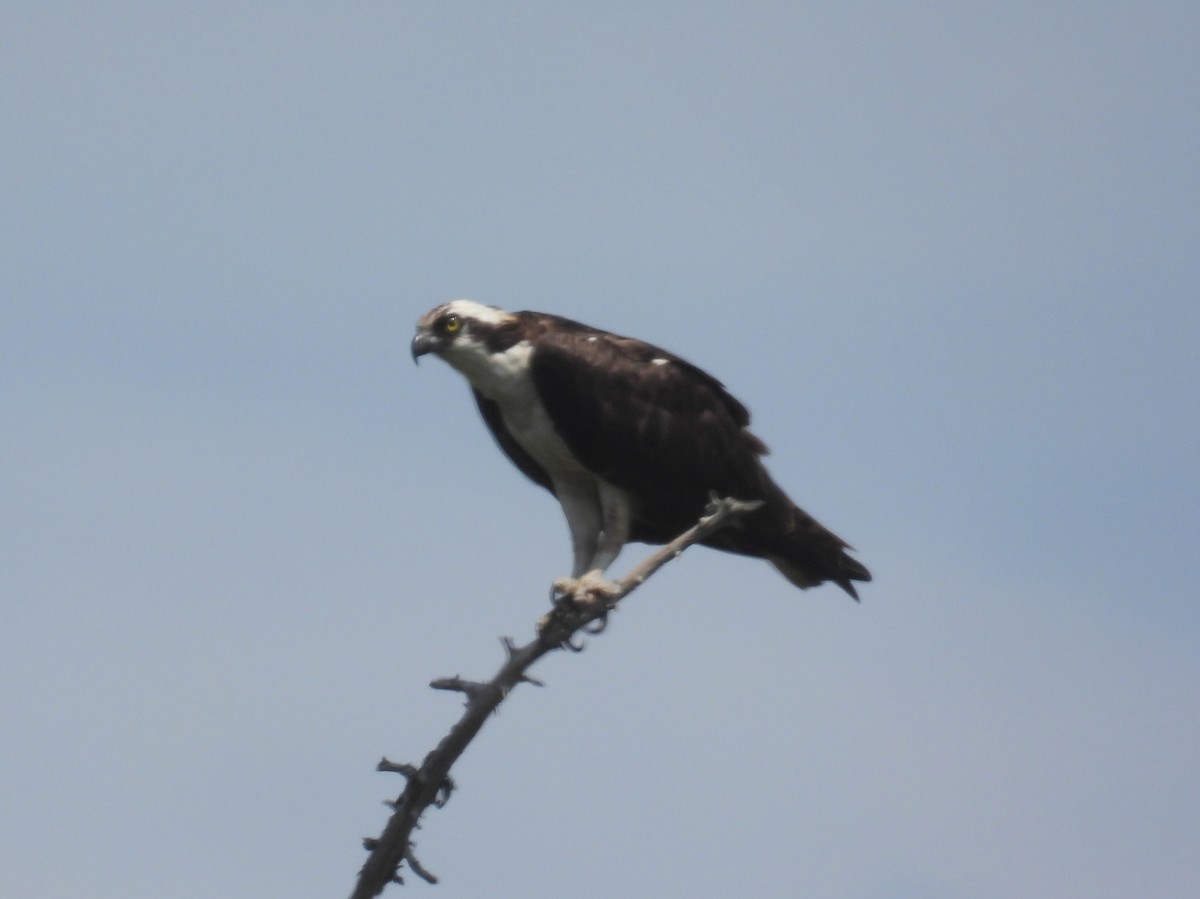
(583, 607)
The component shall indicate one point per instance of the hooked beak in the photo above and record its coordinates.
(423, 342)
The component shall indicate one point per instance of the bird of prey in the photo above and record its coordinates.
(630, 438)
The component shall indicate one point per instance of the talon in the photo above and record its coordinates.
(577, 599)
(564, 592)
(590, 588)
(571, 646)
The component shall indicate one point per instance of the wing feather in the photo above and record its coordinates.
(649, 422)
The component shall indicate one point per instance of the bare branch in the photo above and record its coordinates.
(386, 764)
(469, 687)
(583, 607)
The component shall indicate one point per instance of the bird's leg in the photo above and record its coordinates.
(584, 520)
(616, 516)
(598, 516)
(588, 585)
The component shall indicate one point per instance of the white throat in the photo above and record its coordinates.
(502, 377)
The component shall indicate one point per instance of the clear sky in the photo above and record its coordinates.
(948, 254)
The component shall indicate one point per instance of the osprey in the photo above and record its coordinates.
(631, 439)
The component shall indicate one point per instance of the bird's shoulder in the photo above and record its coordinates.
(574, 354)
(618, 384)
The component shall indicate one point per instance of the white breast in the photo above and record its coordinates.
(506, 379)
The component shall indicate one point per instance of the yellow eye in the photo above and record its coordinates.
(451, 324)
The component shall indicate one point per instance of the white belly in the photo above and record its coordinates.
(531, 427)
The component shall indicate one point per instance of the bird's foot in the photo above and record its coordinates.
(588, 598)
(585, 592)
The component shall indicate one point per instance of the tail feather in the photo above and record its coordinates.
(815, 555)
(804, 551)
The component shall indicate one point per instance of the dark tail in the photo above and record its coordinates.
(815, 555)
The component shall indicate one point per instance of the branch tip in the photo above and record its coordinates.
(419, 869)
(387, 765)
(457, 684)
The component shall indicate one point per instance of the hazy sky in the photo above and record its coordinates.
(949, 255)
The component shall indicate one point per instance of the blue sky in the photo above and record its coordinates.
(946, 254)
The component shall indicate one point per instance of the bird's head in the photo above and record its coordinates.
(463, 333)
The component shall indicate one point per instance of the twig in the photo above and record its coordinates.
(431, 784)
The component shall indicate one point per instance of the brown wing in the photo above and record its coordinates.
(651, 423)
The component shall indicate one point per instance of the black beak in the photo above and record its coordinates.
(423, 342)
